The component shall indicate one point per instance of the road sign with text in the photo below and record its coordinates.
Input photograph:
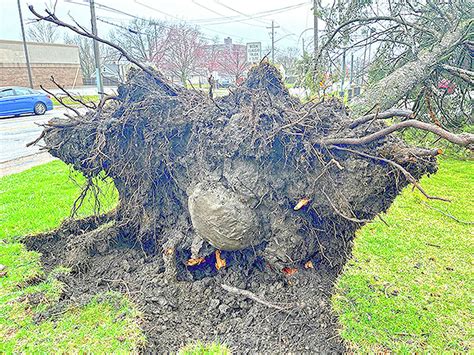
(254, 52)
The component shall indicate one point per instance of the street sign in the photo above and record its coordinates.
(254, 52)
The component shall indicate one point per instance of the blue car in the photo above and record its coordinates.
(15, 101)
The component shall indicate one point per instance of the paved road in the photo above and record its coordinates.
(15, 133)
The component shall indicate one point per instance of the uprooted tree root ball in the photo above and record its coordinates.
(236, 213)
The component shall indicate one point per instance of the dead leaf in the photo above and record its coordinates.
(168, 251)
(301, 203)
(309, 265)
(195, 261)
(439, 151)
(289, 270)
(220, 263)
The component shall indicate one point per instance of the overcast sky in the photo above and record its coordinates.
(243, 20)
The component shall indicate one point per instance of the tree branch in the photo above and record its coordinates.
(382, 115)
(370, 20)
(462, 139)
(81, 31)
(464, 74)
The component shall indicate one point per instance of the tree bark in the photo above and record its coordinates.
(388, 91)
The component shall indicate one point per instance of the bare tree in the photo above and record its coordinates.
(185, 51)
(42, 32)
(233, 61)
(145, 39)
(86, 53)
(288, 57)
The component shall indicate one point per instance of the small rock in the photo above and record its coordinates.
(125, 265)
(162, 301)
(223, 308)
(214, 303)
(2, 267)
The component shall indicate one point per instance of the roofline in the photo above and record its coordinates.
(39, 43)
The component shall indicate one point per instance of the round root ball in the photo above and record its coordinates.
(219, 217)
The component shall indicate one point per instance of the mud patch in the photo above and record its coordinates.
(296, 318)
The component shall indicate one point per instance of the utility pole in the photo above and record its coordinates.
(302, 41)
(98, 74)
(316, 36)
(25, 47)
(343, 72)
(273, 40)
(352, 69)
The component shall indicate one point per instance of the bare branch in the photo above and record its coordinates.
(60, 100)
(462, 139)
(464, 74)
(92, 106)
(371, 20)
(382, 115)
(53, 19)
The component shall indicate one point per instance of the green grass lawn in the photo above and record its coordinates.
(407, 288)
(34, 201)
(409, 285)
(69, 101)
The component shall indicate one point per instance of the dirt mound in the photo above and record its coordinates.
(296, 318)
(256, 174)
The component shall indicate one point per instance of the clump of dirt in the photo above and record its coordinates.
(248, 176)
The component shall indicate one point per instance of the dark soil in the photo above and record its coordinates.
(177, 313)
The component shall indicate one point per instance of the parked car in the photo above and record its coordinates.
(223, 83)
(15, 101)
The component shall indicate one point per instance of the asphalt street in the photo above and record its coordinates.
(15, 133)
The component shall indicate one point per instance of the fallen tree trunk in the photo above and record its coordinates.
(388, 91)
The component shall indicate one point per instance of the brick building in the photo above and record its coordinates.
(59, 60)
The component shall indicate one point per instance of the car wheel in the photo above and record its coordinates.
(40, 108)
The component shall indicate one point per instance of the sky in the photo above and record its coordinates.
(244, 20)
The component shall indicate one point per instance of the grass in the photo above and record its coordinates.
(407, 288)
(409, 285)
(38, 199)
(205, 349)
(34, 201)
(69, 101)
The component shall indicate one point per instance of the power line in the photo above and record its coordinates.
(215, 31)
(114, 10)
(261, 14)
(240, 13)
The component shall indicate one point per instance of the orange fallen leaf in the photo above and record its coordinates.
(168, 251)
(195, 261)
(301, 203)
(439, 151)
(309, 265)
(290, 270)
(220, 263)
